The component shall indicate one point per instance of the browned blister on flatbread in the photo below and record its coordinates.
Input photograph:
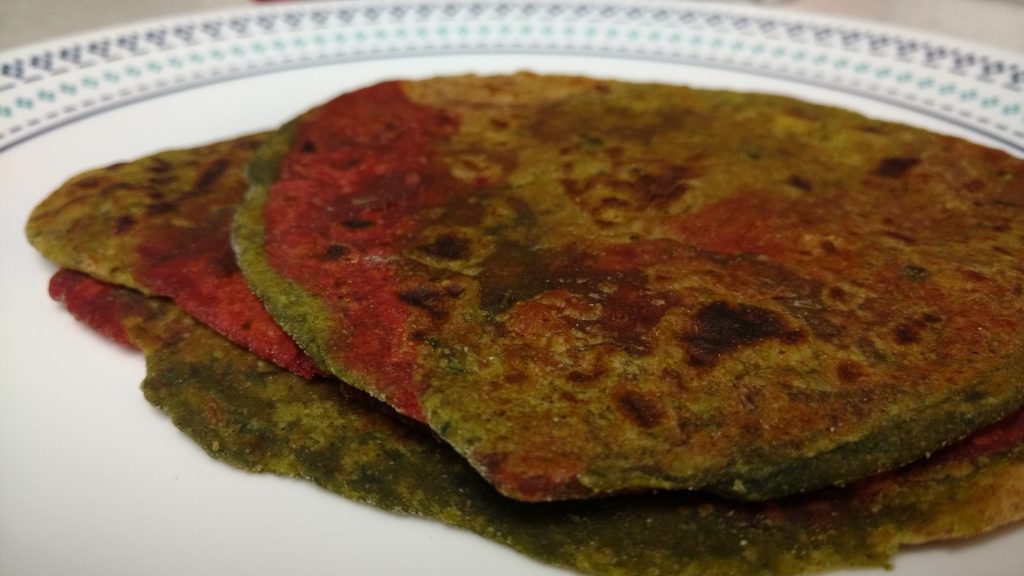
(589, 286)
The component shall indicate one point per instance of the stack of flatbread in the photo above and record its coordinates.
(622, 328)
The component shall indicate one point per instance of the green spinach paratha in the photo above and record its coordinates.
(254, 416)
(590, 286)
(162, 224)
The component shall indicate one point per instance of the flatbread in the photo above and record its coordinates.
(590, 287)
(254, 416)
(161, 224)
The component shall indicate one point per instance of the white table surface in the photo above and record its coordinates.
(997, 23)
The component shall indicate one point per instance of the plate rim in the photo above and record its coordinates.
(50, 84)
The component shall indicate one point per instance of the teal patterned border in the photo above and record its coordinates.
(59, 83)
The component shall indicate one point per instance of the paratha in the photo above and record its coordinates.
(161, 224)
(248, 413)
(590, 286)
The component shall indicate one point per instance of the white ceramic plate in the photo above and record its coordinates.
(95, 481)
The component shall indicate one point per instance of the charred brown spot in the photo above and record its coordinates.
(803, 112)
(162, 180)
(223, 263)
(870, 350)
(356, 223)
(800, 183)
(720, 328)
(661, 189)
(837, 293)
(335, 252)
(117, 187)
(158, 208)
(613, 202)
(425, 297)
(686, 428)
(447, 247)
(799, 295)
(629, 313)
(638, 408)
(873, 128)
(673, 378)
(895, 167)
(308, 147)
(211, 174)
(90, 182)
(849, 371)
(930, 318)
(577, 376)
(492, 462)
(251, 144)
(907, 334)
(828, 246)
(915, 273)
(973, 275)
(569, 397)
(419, 294)
(975, 185)
(515, 377)
(158, 165)
(513, 273)
(123, 223)
(900, 236)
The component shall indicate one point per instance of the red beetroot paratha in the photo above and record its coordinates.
(588, 286)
